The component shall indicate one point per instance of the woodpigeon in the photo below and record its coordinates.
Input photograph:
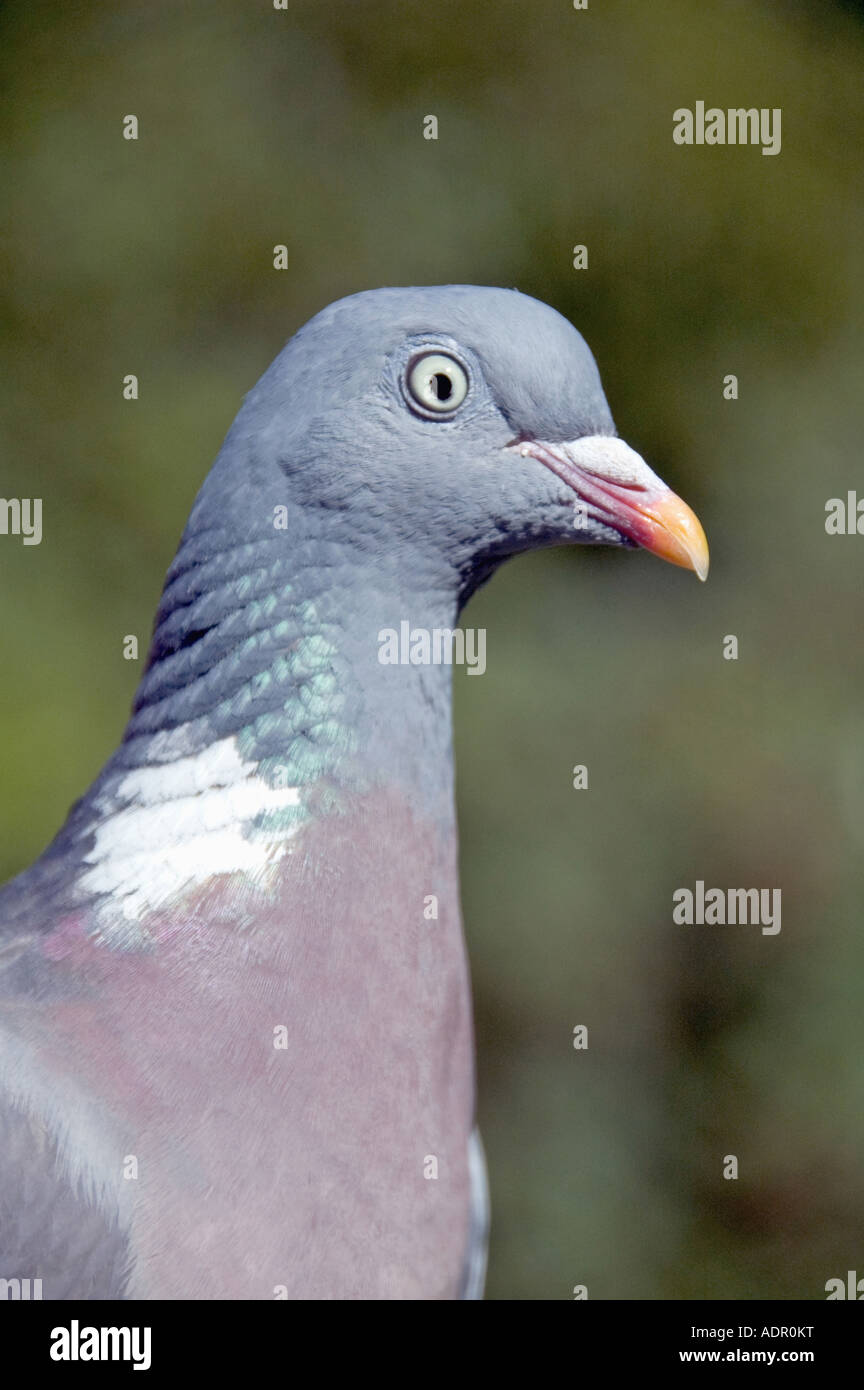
(236, 1053)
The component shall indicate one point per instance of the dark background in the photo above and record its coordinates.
(304, 127)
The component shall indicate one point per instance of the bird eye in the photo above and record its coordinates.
(438, 384)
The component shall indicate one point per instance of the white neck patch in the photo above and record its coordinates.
(184, 823)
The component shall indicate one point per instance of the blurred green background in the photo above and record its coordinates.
(304, 127)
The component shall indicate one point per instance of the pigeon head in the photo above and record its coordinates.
(401, 446)
(447, 428)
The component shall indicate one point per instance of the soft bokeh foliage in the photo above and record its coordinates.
(304, 127)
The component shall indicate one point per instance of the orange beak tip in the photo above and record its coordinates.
(673, 532)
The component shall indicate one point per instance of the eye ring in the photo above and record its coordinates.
(437, 384)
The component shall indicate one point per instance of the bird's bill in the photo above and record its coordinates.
(615, 485)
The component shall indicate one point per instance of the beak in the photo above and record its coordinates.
(616, 486)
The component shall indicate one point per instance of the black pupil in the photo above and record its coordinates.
(442, 386)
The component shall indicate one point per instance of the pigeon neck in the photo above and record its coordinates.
(272, 693)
